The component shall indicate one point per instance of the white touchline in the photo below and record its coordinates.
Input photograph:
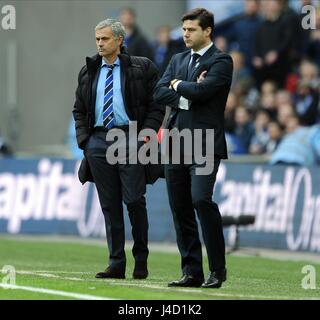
(55, 292)
(140, 284)
(54, 271)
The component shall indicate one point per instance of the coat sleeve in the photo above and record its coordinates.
(155, 112)
(163, 95)
(218, 76)
(80, 114)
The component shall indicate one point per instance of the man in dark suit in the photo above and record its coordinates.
(196, 85)
(115, 89)
(135, 41)
(165, 48)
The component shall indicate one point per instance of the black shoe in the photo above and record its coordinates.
(140, 270)
(215, 279)
(111, 273)
(187, 281)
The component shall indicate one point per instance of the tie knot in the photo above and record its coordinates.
(110, 66)
(195, 56)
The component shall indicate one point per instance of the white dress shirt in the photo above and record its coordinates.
(183, 102)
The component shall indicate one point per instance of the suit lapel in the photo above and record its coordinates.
(93, 67)
(184, 66)
(202, 60)
(196, 67)
(125, 65)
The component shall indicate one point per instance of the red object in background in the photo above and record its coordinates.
(160, 135)
(291, 83)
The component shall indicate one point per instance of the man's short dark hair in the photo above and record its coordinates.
(205, 17)
(130, 10)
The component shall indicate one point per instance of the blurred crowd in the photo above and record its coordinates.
(273, 108)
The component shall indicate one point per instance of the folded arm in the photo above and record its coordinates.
(163, 94)
(217, 77)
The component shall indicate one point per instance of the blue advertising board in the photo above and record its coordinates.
(44, 196)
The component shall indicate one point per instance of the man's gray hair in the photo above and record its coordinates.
(116, 27)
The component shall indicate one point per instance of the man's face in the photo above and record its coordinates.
(194, 37)
(273, 8)
(251, 7)
(107, 44)
(164, 35)
(127, 19)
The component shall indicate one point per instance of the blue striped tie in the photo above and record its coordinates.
(108, 116)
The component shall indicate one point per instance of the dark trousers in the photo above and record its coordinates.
(116, 183)
(188, 193)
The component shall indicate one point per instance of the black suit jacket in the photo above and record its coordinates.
(207, 99)
(138, 79)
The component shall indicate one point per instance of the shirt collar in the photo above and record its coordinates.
(116, 63)
(203, 50)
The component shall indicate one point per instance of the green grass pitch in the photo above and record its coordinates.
(66, 270)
